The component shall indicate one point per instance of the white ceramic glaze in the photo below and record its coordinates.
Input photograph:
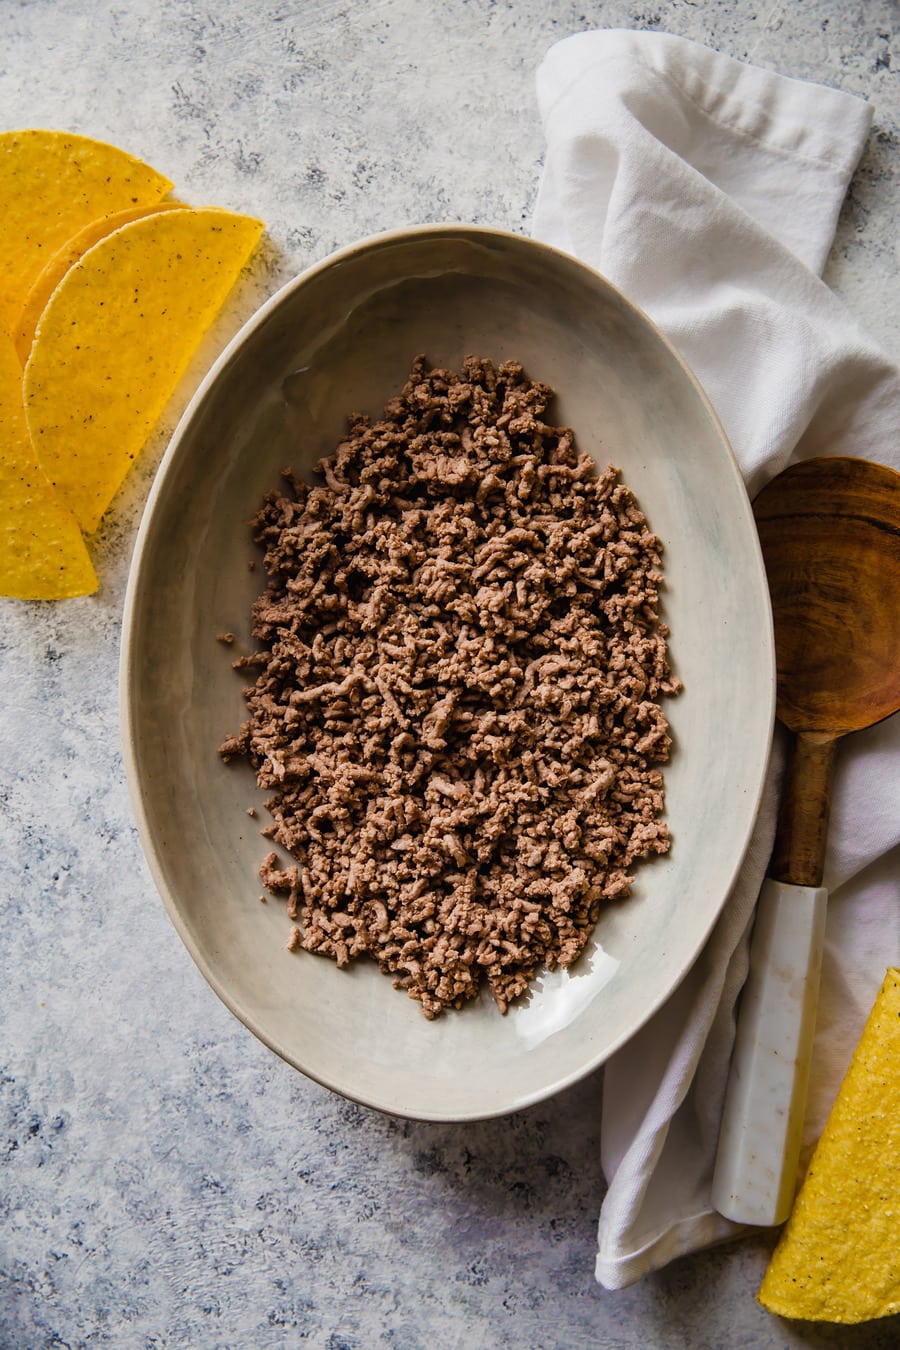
(340, 338)
(762, 1122)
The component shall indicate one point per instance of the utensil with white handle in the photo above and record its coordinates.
(830, 535)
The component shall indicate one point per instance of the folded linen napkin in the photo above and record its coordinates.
(708, 190)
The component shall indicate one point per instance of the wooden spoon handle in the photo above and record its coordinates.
(798, 857)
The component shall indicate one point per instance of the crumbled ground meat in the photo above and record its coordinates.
(457, 685)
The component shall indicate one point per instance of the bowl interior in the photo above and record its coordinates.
(339, 339)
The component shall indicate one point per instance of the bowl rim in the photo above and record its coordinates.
(127, 711)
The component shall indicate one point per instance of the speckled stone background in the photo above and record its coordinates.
(166, 1181)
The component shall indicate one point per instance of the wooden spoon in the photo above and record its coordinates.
(830, 535)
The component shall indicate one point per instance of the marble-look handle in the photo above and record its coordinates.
(765, 1101)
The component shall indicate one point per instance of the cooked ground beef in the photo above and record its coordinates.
(457, 685)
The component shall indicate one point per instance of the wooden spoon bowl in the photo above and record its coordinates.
(830, 534)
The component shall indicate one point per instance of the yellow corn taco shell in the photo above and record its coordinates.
(42, 552)
(47, 280)
(53, 183)
(114, 340)
(838, 1258)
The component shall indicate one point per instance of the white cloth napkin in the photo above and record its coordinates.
(708, 191)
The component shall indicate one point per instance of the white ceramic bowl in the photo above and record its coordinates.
(341, 338)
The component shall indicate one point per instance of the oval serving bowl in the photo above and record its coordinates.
(338, 339)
